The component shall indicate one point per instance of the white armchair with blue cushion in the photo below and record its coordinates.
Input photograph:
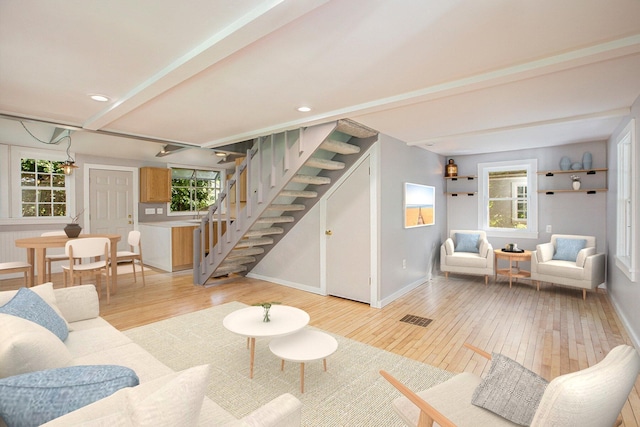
(467, 252)
(569, 260)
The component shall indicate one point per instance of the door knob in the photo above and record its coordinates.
(328, 232)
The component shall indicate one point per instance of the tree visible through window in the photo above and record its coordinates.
(43, 188)
(507, 203)
(193, 190)
(508, 199)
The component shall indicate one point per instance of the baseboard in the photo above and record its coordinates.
(405, 290)
(625, 322)
(287, 283)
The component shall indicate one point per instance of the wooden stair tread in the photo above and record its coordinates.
(278, 207)
(309, 179)
(242, 252)
(263, 231)
(247, 243)
(339, 147)
(355, 129)
(275, 219)
(238, 261)
(316, 162)
(298, 193)
(228, 269)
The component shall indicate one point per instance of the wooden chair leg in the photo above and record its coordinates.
(486, 279)
(133, 266)
(446, 274)
(142, 272)
(584, 294)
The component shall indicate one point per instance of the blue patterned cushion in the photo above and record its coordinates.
(567, 249)
(38, 397)
(467, 242)
(510, 390)
(28, 305)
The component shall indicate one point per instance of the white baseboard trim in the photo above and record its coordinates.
(287, 283)
(404, 291)
(625, 322)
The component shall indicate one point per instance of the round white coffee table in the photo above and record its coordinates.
(304, 346)
(248, 322)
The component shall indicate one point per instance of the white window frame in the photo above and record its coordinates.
(626, 203)
(223, 178)
(531, 166)
(15, 208)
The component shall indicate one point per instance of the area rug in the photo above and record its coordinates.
(350, 393)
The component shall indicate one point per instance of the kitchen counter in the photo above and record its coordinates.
(168, 245)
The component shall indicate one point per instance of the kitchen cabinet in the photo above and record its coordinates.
(155, 185)
(168, 245)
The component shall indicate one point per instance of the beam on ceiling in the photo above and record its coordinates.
(267, 18)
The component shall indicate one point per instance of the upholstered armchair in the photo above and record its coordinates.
(568, 260)
(467, 252)
(511, 395)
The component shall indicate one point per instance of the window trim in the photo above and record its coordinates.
(14, 209)
(626, 257)
(531, 166)
(223, 178)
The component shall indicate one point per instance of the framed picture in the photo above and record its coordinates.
(419, 205)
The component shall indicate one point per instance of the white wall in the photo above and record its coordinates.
(566, 213)
(624, 294)
(419, 246)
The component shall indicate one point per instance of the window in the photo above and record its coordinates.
(507, 202)
(193, 190)
(40, 189)
(625, 245)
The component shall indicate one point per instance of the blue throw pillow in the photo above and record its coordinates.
(567, 249)
(467, 242)
(28, 305)
(38, 397)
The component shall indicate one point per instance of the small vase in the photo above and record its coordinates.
(266, 318)
(587, 161)
(72, 230)
(576, 185)
(565, 163)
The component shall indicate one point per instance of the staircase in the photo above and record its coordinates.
(286, 174)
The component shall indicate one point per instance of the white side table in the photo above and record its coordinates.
(304, 346)
(248, 322)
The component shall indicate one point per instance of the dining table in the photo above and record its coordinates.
(37, 251)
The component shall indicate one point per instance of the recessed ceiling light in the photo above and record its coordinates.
(304, 109)
(99, 98)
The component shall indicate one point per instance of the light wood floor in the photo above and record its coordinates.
(552, 332)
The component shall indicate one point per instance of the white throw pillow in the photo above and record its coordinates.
(176, 404)
(26, 347)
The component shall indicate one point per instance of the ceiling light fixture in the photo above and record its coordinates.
(304, 109)
(99, 98)
(69, 165)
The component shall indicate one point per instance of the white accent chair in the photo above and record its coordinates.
(90, 247)
(592, 397)
(587, 271)
(452, 260)
(134, 241)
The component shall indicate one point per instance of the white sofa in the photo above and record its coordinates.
(477, 260)
(93, 341)
(586, 272)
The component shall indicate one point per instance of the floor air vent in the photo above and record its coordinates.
(416, 320)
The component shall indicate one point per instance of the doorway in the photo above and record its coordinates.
(347, 212)
(111, 193)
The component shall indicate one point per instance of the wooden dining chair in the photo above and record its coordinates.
(49, 258)
(16, 267)
(90, 247)
(131, 255)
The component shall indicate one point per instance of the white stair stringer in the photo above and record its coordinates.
(252, 233)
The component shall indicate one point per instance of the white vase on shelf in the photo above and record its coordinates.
(576, 185)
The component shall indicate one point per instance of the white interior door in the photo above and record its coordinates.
(111, 203)
(348, 237)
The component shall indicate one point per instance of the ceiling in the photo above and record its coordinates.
(453, 77)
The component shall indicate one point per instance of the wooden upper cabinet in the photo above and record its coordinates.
(155, 185)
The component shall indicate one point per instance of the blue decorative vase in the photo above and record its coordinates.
(587, 161)
(565, 163)
(576, 166)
